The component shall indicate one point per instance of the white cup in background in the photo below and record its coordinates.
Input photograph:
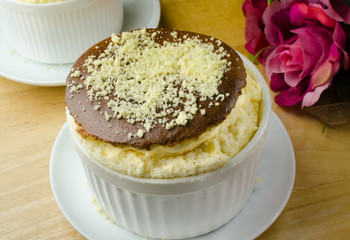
(59, 32)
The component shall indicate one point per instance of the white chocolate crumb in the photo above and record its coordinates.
(140, 133)
(259, 179)
(107, 116)
(76, 73)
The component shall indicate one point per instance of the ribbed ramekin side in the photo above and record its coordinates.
(176, 216)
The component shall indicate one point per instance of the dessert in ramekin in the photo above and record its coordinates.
(169, 126)
(60, 31)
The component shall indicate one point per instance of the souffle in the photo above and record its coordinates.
(159, 103)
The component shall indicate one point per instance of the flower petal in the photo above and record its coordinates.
(335, 9)
(292, 59)
(273, 62)
(277, 82)
(277, 22)
(312, 97)
(327, 70)
(292, 78)
(322, 74)
(292, 96)
(300, 12)
(339, 37)
(253, 32)
(316, 43)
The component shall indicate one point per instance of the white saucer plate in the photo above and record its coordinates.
(268, 199)
(14, 66)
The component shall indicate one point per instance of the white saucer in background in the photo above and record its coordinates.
(14, 66)
(268, 199)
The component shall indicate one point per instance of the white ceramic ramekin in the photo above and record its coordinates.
(59, 32)
(182, 207)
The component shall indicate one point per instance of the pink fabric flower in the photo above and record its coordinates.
(307, 48)
(302, 70)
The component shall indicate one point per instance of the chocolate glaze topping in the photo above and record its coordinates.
(92, 122)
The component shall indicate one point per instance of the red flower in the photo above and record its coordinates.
(254, 28)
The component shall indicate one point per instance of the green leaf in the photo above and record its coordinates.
(250, 56)
(269, 2)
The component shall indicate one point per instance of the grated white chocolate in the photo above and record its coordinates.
(146, 82)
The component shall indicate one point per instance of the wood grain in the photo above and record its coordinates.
(31, 117)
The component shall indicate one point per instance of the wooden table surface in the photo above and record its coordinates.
(31, 117)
